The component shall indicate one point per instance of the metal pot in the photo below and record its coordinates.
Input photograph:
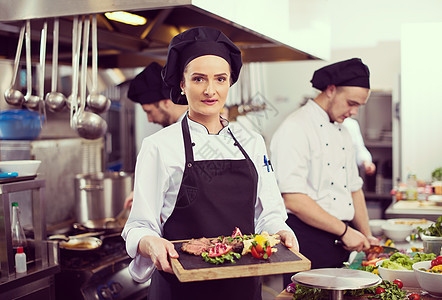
(100, 196)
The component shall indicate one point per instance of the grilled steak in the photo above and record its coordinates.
(196, 246)
(237, 245)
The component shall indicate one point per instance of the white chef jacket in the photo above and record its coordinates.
(315, 157)
(362, 153)
(158, 174)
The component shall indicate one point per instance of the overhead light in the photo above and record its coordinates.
(126, 17)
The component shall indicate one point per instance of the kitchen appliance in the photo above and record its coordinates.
(98, 274)
(100, 196)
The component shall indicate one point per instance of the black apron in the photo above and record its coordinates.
(317, 245)
(215, 196)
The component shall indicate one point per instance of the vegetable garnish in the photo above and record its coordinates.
(434, 229)
(230, 256)
(385, 290)
(260, 239)
(227, 249)
(261, 250)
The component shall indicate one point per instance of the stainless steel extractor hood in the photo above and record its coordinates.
(263, 31)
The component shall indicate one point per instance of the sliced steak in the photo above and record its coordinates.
(196, 246)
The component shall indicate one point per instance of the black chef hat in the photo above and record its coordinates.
(350, 72)
(194, 43)
(148, 86)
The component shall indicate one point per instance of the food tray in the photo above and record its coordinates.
(189, 267)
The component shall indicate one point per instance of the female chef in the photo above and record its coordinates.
(200, 177)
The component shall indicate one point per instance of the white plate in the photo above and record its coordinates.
(423, 223)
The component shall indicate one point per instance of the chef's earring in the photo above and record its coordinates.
(182, 93)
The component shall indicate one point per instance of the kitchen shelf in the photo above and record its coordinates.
(43, 263)
(37, 270)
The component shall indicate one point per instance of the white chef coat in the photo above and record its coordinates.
(158, 175)
(362, 153)
(315, 157)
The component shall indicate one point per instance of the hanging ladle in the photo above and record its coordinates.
(76, 37)
(96, 102)
(88, 125)
(55, 100)
(41, 85)
(31, 101)
(12, 95)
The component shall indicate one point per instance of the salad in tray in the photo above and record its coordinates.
(401, 261)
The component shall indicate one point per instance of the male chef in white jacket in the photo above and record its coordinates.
(149, 90)
(315, 165)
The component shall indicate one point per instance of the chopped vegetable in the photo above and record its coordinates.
(389, 243)
(260, 249)
(437, 261)
(370, 268)
(291, 288)
(436, 269)
(371, 262)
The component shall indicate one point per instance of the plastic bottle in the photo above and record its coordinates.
(20, 261)
(17, 232)
(411, 187)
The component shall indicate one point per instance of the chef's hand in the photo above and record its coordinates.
(369, 167)
(354, 240)
(374, 241)
(289, 239)
(129, 200)
(158, 250)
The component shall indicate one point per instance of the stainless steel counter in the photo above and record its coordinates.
(414, 209)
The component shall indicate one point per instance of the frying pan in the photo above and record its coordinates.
(83, 242)
(80, 242)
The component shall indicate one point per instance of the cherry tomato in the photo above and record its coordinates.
(399, 283)
(255, 253)
(380, 290)
(437, 261)
(414, 296)
(258, 252)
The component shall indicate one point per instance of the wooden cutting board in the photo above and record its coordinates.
(193, 268)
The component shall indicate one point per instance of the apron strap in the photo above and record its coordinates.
(187, 142)
(239, 145)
